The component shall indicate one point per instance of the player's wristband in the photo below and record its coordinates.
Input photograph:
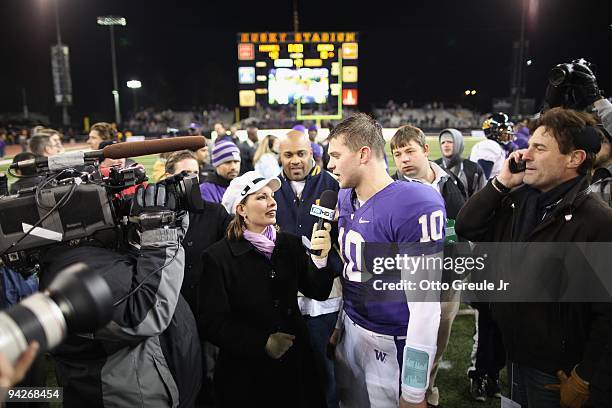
(499, 186)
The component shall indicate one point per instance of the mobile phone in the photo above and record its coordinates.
(517, 167)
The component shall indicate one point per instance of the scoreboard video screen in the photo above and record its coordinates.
(312, 68)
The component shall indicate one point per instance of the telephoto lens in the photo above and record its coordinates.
(77, 301)
(560, 74)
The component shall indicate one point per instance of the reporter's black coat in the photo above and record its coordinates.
(245, 298)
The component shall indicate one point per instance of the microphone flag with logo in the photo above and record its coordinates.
(325, 210)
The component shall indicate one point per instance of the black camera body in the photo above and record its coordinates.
(88, 210)
(563, 74)
(186, 190)
(571, 85)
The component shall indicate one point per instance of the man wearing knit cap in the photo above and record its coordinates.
(226, 160)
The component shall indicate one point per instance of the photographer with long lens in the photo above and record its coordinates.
(149, 355)
(574, 85)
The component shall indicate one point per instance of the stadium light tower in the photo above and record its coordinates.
(111, 22)
(65, 116)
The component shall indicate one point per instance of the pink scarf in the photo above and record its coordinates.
(264, 242)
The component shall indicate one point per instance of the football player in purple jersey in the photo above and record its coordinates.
(385, 341)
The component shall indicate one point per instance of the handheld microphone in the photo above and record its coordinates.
(325, 211)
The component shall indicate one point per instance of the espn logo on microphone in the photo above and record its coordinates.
(322, 212)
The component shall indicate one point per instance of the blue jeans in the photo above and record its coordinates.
(527, 387)
(320, 329)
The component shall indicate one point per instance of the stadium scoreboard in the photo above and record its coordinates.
(312, 68)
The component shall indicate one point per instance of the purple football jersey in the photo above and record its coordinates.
(399, 213)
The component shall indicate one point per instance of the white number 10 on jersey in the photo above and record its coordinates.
(432, 226)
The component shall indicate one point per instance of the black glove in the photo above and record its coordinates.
(153, 207)
(585, 86)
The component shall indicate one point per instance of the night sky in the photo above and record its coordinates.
(184, 52)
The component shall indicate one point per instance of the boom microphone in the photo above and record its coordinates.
(325, 211)
(59, 161)
(133, 149)
(114, 151)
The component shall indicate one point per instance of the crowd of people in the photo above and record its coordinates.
(429, 117)
(249, 299)
(434, 116)
(152, 122)
(155, 122)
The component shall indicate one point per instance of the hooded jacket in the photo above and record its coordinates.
(470, 174)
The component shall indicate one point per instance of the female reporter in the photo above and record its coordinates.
(249, 302)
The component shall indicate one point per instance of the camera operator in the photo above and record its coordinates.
(554, 349)
(149, 355)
